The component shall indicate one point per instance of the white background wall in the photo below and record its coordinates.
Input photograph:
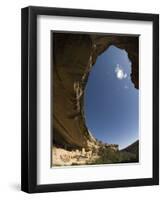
(10, 80)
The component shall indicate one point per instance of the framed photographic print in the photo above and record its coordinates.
(90, 99)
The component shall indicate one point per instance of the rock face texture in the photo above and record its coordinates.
(73, 58)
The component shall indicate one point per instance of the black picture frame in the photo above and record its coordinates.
(29, 99)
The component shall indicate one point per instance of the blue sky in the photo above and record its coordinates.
(111, 102)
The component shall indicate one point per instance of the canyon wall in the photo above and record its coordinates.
(73, 57)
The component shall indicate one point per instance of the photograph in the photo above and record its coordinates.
(94, 98)
(89, 98)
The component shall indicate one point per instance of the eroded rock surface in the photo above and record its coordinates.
(73, 58)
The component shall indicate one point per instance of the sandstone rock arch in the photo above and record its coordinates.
(73, 57)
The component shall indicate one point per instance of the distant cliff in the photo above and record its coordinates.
(133, 149)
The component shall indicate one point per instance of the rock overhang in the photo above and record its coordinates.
(73, 58)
